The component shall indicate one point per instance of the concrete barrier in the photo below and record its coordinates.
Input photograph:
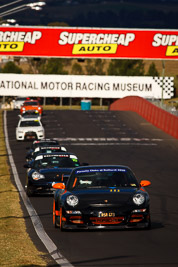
(155, 115)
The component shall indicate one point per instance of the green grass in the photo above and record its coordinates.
(73, 107)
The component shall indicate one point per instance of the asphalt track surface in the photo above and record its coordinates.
(111, 137)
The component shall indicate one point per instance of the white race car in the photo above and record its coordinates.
(18, 102)
(29, 128)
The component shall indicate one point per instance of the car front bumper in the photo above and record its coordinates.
(120, 221)
(30, 136)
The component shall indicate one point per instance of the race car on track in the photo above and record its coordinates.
(29, 128)
(101, 197)
(40, 143)
(31, 105)
(47, 169)
(45, 150)
(18, 102)
(31, 114)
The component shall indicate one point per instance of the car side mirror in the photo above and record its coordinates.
(144, 183)
(59, 186)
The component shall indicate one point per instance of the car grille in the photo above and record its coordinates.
(107, 220)
(29, 135)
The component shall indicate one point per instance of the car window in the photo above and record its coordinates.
(44, 143)
(113, 178)
(20, 99)
(31, 103)
(29, 123)
(52, 162)
(48, 150)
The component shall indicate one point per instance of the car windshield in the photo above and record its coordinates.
(34, 103)
(46, 151)
(44, 143)
(29, 123)
(101, 178)
(30, 113)
(56, 162)
(20, 99)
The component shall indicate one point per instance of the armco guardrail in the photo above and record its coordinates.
(155, 115)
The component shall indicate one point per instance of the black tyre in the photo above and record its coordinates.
(57, 222)
(29, 191)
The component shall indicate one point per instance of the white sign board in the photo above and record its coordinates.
(85, 86)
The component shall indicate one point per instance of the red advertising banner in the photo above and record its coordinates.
(89, 42)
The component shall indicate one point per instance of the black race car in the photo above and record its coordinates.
(40, 143)
(101, 197)
(47, 169)
(45, 150)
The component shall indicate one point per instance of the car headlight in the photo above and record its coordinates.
(72, 200)
(37, 176)
(138, 199)
(40, 131)
(20, 131)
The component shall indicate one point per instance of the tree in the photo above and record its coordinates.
(11, 67)
(77, 69)
(53, 66)
(35, 64)
(58, 24)
(123, 67)
(95, 67)
(152, 71)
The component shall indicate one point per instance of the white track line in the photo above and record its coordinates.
(48, 243)
(108, 139)
(110, 144)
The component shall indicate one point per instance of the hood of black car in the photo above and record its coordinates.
(104, 197)
(53, 174)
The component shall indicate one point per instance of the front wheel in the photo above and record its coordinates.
(56, 219)
(29, 191)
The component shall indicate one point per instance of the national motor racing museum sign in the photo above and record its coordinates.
(85, 86)
(88, 42)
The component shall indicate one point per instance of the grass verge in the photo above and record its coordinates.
(73, 107)
(16, 247)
